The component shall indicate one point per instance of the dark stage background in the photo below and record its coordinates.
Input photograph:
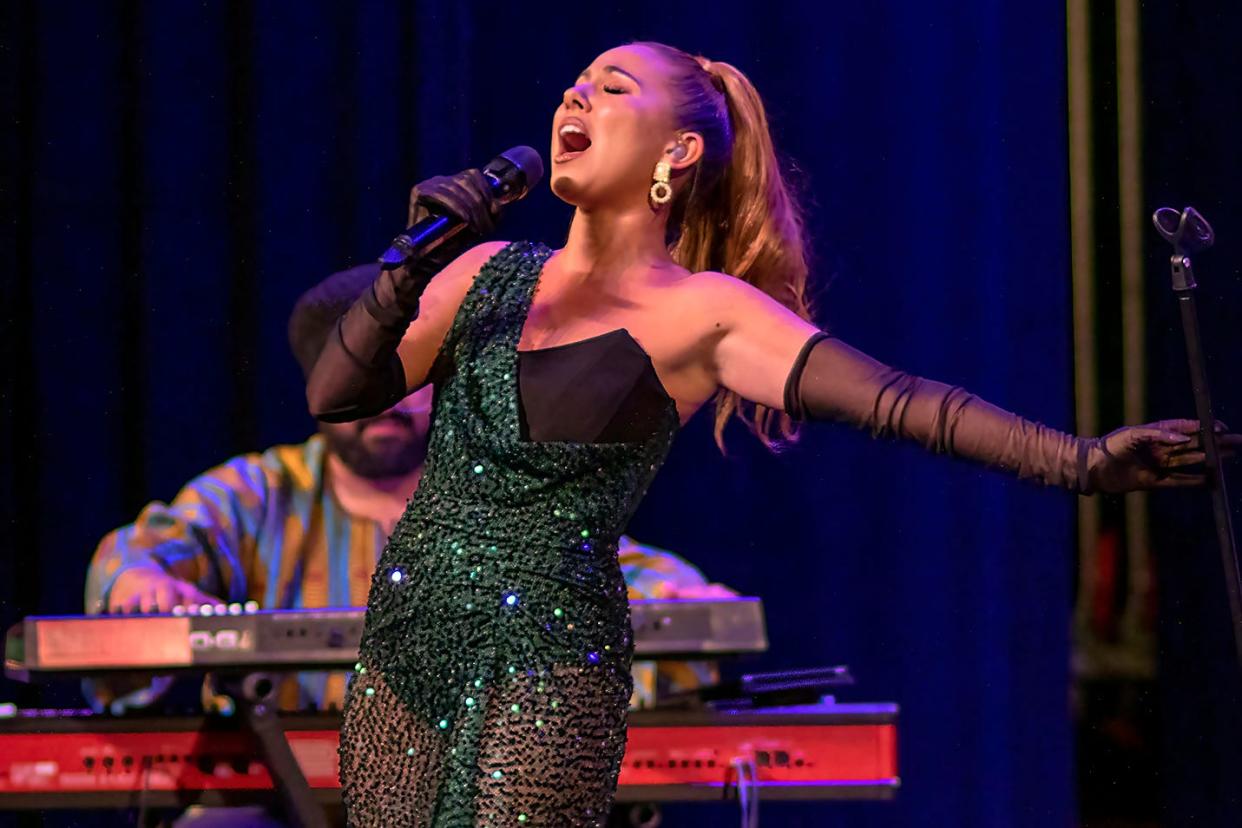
(179, 172)
(1192, 78)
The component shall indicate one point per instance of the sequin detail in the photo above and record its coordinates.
(495, 669)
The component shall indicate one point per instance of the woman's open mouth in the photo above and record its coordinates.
(573, 140)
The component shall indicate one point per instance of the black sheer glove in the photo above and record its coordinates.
(359, 373)
(832, 381)
(1156, 456)
(467, 195)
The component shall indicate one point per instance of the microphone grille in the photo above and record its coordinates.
(528, 161)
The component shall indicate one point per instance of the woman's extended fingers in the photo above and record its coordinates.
(1179, 480)
(1174, 437)
(1178, 460)
(1181, 459)
(1153, 437)
(1176, 426)
(1185, 426)
(1164, 454)
(1226, 444)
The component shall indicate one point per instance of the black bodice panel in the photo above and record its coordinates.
(598, 390)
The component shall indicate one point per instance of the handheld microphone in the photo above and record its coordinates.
(511, 175)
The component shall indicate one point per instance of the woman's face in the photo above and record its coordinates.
(611, 128)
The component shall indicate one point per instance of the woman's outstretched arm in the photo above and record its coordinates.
(825, 379)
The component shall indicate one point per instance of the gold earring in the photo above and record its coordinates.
(661, 191)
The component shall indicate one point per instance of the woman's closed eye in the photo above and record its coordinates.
(615, 90)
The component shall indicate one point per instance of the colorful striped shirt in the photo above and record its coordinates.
(267, 527)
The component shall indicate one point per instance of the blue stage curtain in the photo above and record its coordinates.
(182, 171)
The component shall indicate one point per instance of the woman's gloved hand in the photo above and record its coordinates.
(466, 195)
(358, 373)
(1154, 456)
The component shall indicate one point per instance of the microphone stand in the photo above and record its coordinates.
(1189, 232)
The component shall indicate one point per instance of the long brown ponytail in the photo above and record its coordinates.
(737, 215)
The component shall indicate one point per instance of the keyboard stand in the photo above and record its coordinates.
(254, 693)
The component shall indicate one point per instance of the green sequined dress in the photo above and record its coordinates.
(494, 672)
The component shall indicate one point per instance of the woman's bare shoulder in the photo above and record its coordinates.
(717, 294)
(457, 276)
(475, 257)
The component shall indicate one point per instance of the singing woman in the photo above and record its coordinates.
(493, 678)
